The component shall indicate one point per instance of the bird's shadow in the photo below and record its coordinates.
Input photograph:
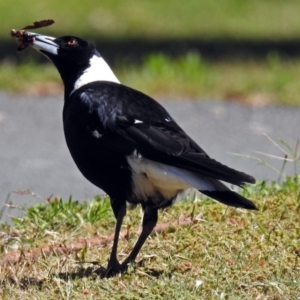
(81, 272)
(101, 272)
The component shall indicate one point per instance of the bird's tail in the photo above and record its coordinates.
(223, 194)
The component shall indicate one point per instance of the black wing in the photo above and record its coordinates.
(130, 120)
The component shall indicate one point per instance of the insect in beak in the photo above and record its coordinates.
(24, 39)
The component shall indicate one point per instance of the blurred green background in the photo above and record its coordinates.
(255, 19)
(240, 50)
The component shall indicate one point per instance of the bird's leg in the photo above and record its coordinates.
(113, 263)
(149, 222)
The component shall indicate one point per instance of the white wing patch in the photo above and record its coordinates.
(98, 70)
(96, 134)
(150, 177)
(137, 121)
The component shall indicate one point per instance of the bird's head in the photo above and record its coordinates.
(77, 61)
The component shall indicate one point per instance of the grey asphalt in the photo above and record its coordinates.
(34, 155)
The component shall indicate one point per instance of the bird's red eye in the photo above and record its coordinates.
(72, 42)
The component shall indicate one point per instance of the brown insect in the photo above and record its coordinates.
(39, 24)
(24, 39)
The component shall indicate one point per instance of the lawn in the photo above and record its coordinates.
(204, 250)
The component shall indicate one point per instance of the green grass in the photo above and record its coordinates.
(252, 82)
(224, 254)
(32, 78)
(203, 19)
(57, 214)
(268, 81)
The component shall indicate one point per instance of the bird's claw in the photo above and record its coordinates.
(114, 269)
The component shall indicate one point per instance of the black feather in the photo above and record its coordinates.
(231, 198)
(158, 137)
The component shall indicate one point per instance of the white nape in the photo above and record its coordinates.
(98, 70)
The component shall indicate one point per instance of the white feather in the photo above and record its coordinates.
(98, 70)
(150, 177)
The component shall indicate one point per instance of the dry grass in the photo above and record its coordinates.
(224, 254)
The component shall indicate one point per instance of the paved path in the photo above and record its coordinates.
(34, 155)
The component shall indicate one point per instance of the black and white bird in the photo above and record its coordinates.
(127, 144)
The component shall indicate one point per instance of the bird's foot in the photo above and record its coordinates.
(114, 269)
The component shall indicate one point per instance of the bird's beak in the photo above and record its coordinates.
(44, 43)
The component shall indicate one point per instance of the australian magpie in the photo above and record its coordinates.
(127, 144)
